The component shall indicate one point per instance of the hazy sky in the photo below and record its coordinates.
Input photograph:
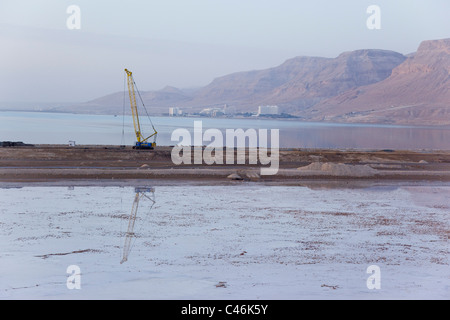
(188, 43)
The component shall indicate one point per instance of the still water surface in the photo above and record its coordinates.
(179, 242)
(58, 128)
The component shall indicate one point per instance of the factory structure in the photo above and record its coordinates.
(269, 110)
(175, 112)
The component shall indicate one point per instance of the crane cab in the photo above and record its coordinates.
(144, 145)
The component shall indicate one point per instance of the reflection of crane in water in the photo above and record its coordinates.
(148, 193)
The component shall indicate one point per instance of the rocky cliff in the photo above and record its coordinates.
(417, 92)
(358, 86)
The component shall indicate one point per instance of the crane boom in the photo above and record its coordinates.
(130, 233)
(142, 142)
(141, 192)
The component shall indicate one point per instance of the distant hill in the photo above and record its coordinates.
(299, 82)
(158, 101)
(357, 86)
(417, 92)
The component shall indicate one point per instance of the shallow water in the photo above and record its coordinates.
(54, 128)
(263, 242)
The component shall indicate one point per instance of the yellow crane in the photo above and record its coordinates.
(142, 141)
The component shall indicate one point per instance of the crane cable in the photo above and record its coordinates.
(142, 101)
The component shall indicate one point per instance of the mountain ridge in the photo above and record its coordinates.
(367, 85)
(416, 92)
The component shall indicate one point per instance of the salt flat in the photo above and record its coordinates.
(246, 241)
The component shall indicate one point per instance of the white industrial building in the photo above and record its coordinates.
(267, 110)
(173, 112)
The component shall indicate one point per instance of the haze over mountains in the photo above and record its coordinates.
(376, 86)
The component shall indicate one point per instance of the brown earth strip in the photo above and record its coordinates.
(60, 162)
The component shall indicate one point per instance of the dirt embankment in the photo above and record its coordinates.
(56, 162)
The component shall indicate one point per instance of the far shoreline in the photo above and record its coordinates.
(306, 121)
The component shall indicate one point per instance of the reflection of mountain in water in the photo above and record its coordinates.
(141, 192)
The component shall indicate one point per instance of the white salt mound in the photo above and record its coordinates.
(235, 176)
(340, 169)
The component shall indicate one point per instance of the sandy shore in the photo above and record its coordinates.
(52, 163)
